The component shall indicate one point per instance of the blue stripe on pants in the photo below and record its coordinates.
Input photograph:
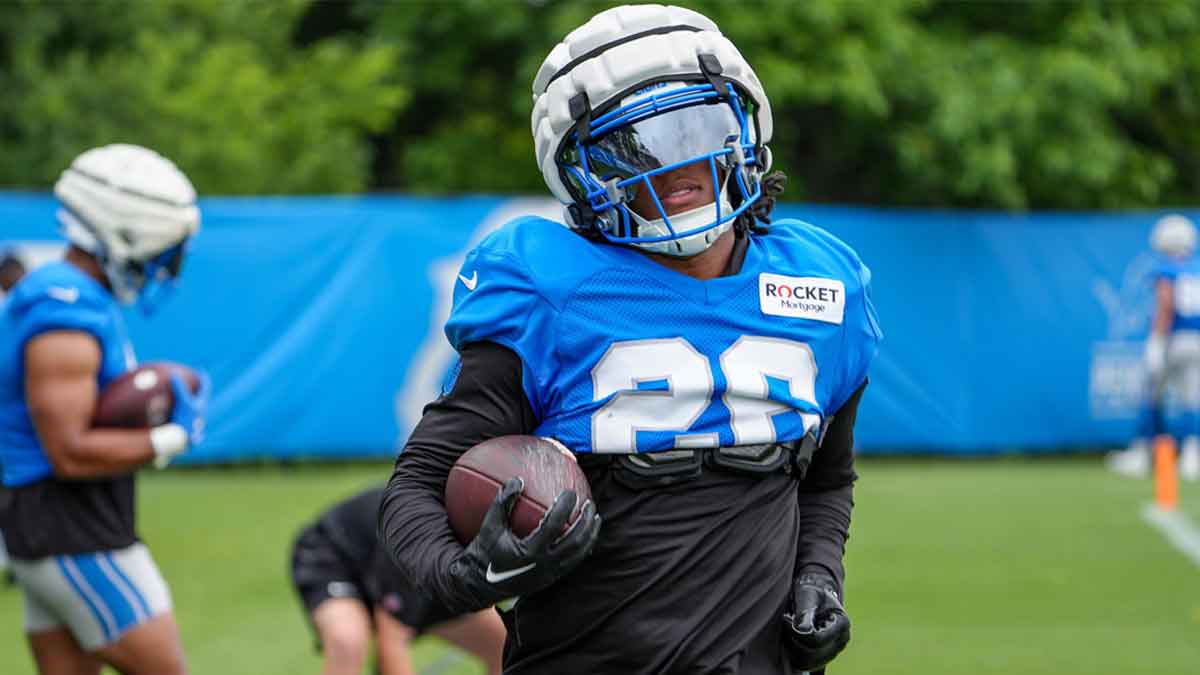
(112, 597)
(62, 567)
(137, 593)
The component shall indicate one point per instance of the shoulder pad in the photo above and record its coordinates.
(511, 287)
(60, 297)
(797, 243)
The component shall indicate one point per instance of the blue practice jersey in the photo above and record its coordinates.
(1184, 276)
(622, 354)
(57, 296)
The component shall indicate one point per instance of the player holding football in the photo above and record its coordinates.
(93, 595)
(706, 371)
(1172, 353)
(351, 590)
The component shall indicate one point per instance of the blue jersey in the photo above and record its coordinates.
(57, 296)
(1184, 276)
(621, 354)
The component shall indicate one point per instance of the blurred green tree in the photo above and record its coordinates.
(1087, 104)
(219, 87)
(904, 102)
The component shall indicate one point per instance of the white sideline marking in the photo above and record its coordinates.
(1181, 532)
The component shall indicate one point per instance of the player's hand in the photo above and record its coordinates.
(185, 429)
(816, 625)
(190, 409)
(498, 564)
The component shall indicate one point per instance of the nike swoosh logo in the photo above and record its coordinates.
(470, 283)
(67, 295)
(494, 577)
(341, 589)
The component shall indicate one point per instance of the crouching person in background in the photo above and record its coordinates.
(352, 592)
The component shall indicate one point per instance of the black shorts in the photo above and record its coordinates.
(321, 572)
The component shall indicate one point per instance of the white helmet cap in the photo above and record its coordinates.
(126, 205)
(1174, 235)
(625, 50)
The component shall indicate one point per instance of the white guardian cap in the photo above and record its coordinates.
(639, 91)
(134, 210)
(1174, 235)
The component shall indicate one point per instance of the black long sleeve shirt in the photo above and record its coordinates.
(688, 577)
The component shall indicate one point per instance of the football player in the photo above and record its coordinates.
(352, 591)
(704, 368)
(93, 594)
(1172, 353)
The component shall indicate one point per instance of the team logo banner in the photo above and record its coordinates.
(320, 319)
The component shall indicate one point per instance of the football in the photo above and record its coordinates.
(142, 397)
(545, 465)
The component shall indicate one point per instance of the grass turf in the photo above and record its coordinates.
(956, 566)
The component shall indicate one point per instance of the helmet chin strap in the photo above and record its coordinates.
(689, 246)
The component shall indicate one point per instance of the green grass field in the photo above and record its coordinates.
(979, 567)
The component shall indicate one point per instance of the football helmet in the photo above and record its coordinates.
(632, 97)
(135, 211)
(1174, 235)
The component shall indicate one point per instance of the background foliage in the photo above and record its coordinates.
(223, 88)
(906, 102)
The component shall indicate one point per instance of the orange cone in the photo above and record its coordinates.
(1166, 480)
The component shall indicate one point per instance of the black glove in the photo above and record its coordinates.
(817, 627)
(498, 564)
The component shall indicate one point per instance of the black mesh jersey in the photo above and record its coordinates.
(685, 578)
(64, 517)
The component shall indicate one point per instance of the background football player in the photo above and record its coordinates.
(352, 592)
(705, 368)
(1172, 355)
(92, 592)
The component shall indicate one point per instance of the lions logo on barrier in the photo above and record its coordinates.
(1116, 378)
(435, 357)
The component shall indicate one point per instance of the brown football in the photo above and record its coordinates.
(546, 467)
(142, 397)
